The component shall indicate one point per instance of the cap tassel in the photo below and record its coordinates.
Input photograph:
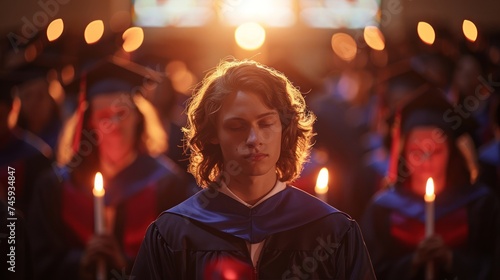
(394, 156)
(81, 111)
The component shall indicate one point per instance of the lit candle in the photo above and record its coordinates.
(321, 188)
(98, 192)
(98, 204)
(429, 207)
(429, 220)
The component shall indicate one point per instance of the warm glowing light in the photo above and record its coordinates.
(94, 31)
(322, 182)
(182, 78)
(276, 13)
(374, 38)
(132, 38)
(426, 32)
(344, 46)
(230, 274)
(175, 66)
(30, 53)
(429, 190)
(67, 74)
(470, 30)
(55, 29)
(183, 81)
(14, 112)
(250, 36)
(56, 91)
(98, 185)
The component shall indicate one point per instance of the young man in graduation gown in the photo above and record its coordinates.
(465, 243)
(113, 132)
(249, 133)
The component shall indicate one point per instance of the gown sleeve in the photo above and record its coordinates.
(387, 263)
(155, 259)
(358, 263)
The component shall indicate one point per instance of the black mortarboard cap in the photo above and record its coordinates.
(16, 77)
(429, 107)
(113, 74)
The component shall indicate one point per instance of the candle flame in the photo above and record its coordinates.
(94, 31)
(322, 181)
(374, 38)
(429, 187)
(470, 30)
(426, 32)
(132, 38)
(55, 29)
(98, 185)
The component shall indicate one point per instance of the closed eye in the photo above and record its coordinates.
(267, 124)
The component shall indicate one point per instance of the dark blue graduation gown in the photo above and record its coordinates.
(62, 219)
(28, 156)
(205, 238)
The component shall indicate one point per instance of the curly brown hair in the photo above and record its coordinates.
(277, 92)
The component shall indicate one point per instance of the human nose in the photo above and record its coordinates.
(427, 159)
(253, 138)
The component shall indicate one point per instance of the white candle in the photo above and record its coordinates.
(429, 220)
(429, 207)
(99, 228)
(321, 188)
(98, 192)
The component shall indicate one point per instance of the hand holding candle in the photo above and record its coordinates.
(321, 188)
(99, 228)
(429, 220)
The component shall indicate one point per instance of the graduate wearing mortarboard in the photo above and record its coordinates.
(23, 157)
(24, 152)
(429, 140)
(249, 132)
(115, 131)
(40, 112)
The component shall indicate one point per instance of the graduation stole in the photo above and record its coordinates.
(135, 215)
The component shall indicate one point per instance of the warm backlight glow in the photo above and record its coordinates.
(230, 274)
(429, 190)
(30, 53)
(470, 30)
(250, 36)
(132, 38)
(182, 78)
(426, 32)
(344, 46)
(322, 181)
(98, 185)
(56, 91)
(67, 74)
(55, 29)
(94, 31)
(374, 38)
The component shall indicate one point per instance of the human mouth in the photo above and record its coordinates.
(255, 156)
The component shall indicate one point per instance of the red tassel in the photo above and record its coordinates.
(81, 111)
(394, 156)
